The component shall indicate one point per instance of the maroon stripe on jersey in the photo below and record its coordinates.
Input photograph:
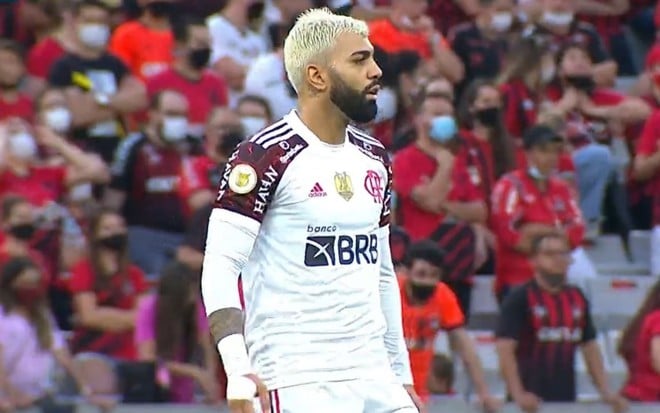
(261, 169)
(535, 300)
(457, 239)
(274, 397)
(551, 349)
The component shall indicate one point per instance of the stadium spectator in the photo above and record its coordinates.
(529, 68)
(13, 102)
(409, 28)
(559, 24)
(437, 198)
(608, 18)
(57, 42)
(266, 77)
(200, 175)
(234, 46)
(528, 203)
(188, 74)
(24, 173)
(640, 348)
(278, 14)
(646, 169)
(541, 325)
(652, 74)
(482, 43)
(145, 44)
(106, 289)
(30, 343)
(18, 232)
(171, 326)
(255, 114)
(145, 176)
(99, 87)
(428, 305)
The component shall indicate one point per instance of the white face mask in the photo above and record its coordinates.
(94, 35)
(175, 128)
(557, 18)
(252, 125)
(387, 103)
(502, 21)
(22, 146)
(58, 119)
(547, 74)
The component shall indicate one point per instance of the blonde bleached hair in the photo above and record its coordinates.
(312, 36)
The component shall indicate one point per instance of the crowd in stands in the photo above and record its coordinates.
(504, 120)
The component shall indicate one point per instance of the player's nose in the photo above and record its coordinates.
(375, 72)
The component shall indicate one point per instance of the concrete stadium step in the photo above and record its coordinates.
(607, 249)
(640, 247)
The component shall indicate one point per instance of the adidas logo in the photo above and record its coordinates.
(317, 191)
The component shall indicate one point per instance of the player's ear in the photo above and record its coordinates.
(317, 78)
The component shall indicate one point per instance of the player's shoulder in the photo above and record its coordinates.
(368, 145)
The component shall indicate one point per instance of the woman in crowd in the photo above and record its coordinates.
(30, 343)
(171, 326)
(640, 348)
(106, 289)
(18, 230)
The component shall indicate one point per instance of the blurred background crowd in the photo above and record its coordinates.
(507, 120)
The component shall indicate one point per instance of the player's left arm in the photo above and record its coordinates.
(390, 296)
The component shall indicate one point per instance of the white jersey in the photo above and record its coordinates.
(311, 283)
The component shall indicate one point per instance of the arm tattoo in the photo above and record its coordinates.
(225, 322)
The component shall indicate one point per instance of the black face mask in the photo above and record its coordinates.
(422, 292)
(117, 242)
(554, 280)
(24, 232)
(199, 58)
(583, 83)
(160, 8)
(255, 11)
(489, 116)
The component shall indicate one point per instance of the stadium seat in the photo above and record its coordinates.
(483, 306)
(640, 247)
(615, 299)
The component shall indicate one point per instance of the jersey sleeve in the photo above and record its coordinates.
(387, 198)
(250, 180)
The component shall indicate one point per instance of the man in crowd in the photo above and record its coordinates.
(428, 305)
(188, 74)
(99, 87)
(145, 176)
(541, 325)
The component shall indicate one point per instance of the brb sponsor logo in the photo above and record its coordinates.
(331, 250)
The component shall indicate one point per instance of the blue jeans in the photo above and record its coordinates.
(594, 167)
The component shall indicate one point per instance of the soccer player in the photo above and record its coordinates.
(302, 214)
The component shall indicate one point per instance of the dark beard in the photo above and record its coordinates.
(352, 103)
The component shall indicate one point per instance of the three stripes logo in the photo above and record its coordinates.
(317, 191)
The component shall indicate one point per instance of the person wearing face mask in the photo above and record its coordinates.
(482, 43)
(18, 233)
(30, 342)
(188, 73)
(23, 172)
(255, 114)
(145, 44)
(425, 299)
(541, 326)
(199, 175)
(559, 23)
(144, 183)
(106, 289)
(13, 102)
(99, 88)
(530, 202)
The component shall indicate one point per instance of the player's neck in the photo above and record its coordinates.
(327, 123)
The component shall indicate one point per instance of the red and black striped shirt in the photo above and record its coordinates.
(548, 328)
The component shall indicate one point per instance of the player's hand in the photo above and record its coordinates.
(528, 402)
(244, 405)
(489, 404)
(415, 398)
(616, 402)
